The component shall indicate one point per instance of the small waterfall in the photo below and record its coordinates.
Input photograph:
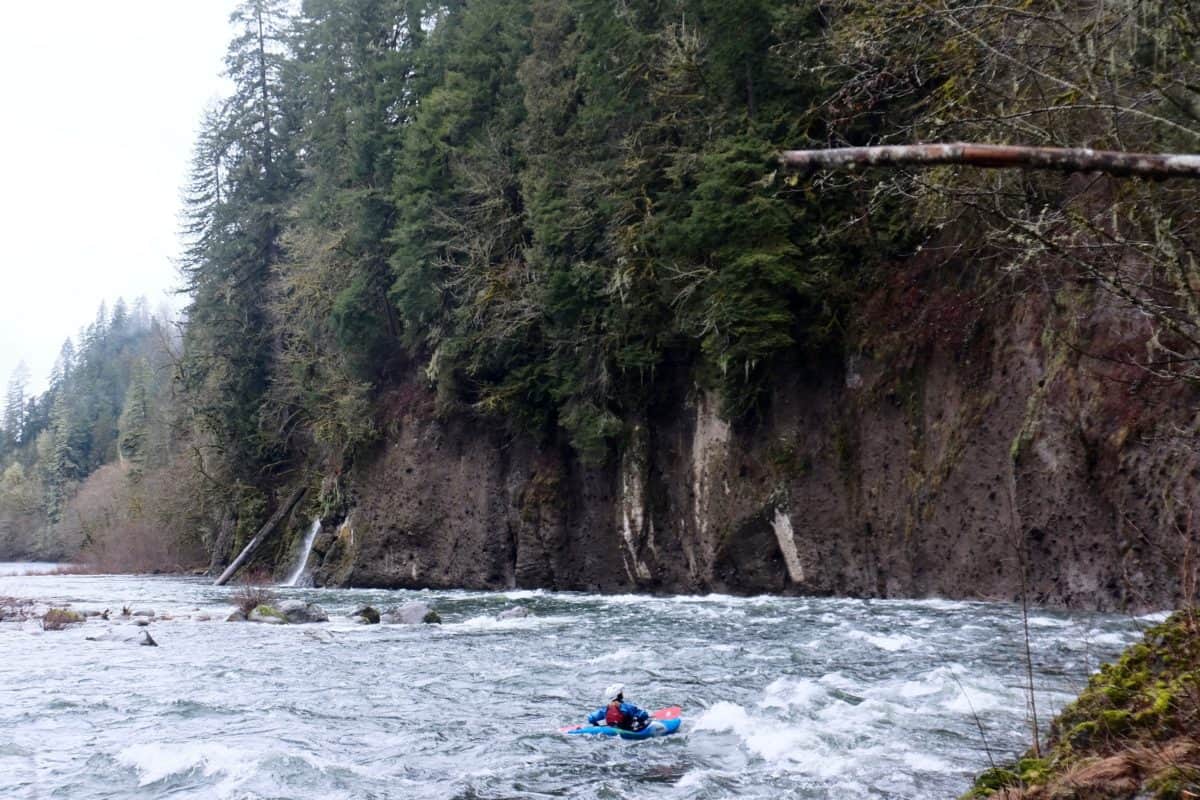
(298, 572)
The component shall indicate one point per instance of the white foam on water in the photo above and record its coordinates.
(938, 604)
(789, 693)
(620, 654)
(839, 680)
(693, 779)
(891, 643)
(792, 747)
(523, 594)
(722, 716)
(155, 761)
(490, 623)
(982, 694)
(924, 762)
(1108, 638)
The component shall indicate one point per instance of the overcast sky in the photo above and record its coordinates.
(101, 102)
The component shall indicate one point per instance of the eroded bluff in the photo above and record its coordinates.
(949, 464)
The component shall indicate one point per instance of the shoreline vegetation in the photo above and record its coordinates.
(1133, 732)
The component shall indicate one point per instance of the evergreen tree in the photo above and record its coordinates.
(12, 424)
(60, 457)
(133, 444)
(236, 219)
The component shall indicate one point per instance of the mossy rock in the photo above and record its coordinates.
(1033, 770)
(432, 618)
(1139, 695)
(267, 614)
(368, 614)
(992, 781)
(1137, 702)
(58, 618)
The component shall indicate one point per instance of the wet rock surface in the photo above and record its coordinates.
(410, 614)
(918, 466)
(366, 615)
(298, 612)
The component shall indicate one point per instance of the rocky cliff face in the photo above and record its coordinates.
(985, 452)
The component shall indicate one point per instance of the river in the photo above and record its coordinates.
(782, 697)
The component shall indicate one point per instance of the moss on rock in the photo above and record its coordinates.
(265, 613)
(58, 618)
(1109, 742)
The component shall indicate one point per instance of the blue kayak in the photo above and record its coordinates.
(656, 728)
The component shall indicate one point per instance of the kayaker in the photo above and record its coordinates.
(617, 713)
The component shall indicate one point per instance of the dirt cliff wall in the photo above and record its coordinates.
(1005, 444)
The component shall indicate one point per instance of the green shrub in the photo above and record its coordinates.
(58, 618)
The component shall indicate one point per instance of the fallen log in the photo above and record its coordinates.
(282, 512)
(994, 156)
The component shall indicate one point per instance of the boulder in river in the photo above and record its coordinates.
(236, 616)
(268, 615)
(58, 618)
(145, 613)
(517, 612)
(411, 614)
(299, 612)
(366, 615)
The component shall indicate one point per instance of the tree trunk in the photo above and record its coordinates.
(220, 549)
(280, 514)
(991, 156)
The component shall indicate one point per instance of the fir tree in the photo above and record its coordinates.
(12, 424)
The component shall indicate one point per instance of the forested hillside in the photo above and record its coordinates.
(103, 422)
(564, 221)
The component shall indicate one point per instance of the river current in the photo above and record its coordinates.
(781, 697)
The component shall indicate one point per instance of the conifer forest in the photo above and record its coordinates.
(566, 220)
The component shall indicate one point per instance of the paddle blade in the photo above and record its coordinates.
(569, 728)
(666, 713)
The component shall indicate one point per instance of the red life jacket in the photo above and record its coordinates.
(616, 718)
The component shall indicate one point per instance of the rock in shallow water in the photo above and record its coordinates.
(299, 612)
(267, 615)
(411, 614)
(366, 615)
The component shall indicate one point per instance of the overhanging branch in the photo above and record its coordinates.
(993, 156)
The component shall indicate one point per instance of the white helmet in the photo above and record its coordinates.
(613, 692)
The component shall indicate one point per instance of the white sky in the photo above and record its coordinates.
(100, 105)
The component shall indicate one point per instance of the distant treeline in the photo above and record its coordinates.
(104, 422)
(558, 212)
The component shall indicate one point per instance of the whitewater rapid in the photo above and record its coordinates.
(796, 697)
